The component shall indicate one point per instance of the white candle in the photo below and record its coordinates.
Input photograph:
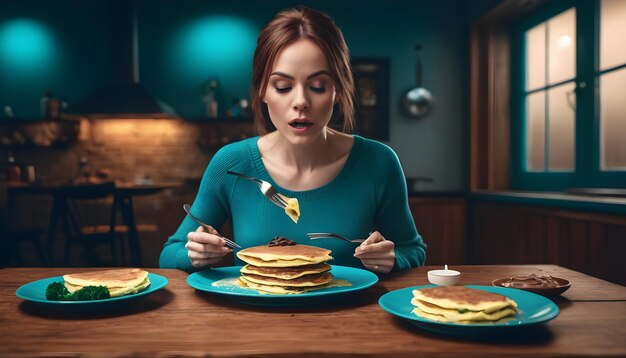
(444, 277)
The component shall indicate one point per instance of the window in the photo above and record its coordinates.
(570, 102)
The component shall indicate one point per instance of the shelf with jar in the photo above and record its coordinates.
(25, 132)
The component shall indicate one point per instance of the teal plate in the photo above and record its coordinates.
(532, 309)
(203, 281)
(36, 292)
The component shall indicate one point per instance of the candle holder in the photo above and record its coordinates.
(444, 277)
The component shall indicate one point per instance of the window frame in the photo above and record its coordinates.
(587, 172)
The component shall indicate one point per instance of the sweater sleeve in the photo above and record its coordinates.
(393, 217)
(210, 205)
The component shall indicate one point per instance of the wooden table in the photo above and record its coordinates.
(178, 321)
(124, 193)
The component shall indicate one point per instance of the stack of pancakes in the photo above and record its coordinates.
(462, 305)
(286, 269)
(119, 282)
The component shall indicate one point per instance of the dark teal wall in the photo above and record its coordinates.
(179, 50)
(371, 28)
(433, 146)
(78, 49)
(62, 48)
(184, 44)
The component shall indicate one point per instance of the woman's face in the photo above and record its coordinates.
(300, 93)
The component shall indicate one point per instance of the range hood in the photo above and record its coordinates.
(123, 96)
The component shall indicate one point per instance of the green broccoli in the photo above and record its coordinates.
(57, 291)
(88, 293)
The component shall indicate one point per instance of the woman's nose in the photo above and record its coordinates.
(300, 101)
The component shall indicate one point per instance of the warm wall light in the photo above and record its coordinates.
(142, 127)
(103, 130)
(565, 41)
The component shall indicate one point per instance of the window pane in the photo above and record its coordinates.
(562, 47)
(536, 57)
(536, 132)
(612, 31)
(613, 120)
(561, 128)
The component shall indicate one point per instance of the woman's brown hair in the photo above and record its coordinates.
(288, 26)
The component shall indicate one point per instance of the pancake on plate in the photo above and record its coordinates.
(281, 290)
(284, 256)
(286, 273)
(462, 305)
(119, 282)
(282, 266)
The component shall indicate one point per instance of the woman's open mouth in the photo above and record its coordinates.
(301, 124)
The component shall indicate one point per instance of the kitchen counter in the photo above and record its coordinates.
(605, 204)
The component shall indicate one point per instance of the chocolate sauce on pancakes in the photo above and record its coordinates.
(281, 241)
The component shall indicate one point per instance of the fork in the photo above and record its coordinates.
(266, 188)
(229, 243)
(323, 235)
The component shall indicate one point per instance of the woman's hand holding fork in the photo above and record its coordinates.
(376, 253)
(205, 248)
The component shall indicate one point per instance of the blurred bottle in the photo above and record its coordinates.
(8, 111)
(54, 108)
(44, 103)
(28, 174)
(211, 107)
(245, 108)
(209, 91)
(64, 104)
(236, 108)
(50, 106)
(83, 174)
(234, 111)
(14, 172)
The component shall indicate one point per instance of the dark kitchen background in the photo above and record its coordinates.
(144, 92)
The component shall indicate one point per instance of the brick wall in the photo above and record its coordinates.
(168, 150)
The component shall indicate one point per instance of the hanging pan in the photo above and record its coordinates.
(417, 102)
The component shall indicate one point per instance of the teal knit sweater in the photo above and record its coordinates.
(368, 194)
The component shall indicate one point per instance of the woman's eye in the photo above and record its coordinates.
(283, 89)
(318, 89)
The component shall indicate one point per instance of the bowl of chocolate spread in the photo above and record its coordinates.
(544, 285)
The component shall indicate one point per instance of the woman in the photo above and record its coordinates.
(345, 184)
